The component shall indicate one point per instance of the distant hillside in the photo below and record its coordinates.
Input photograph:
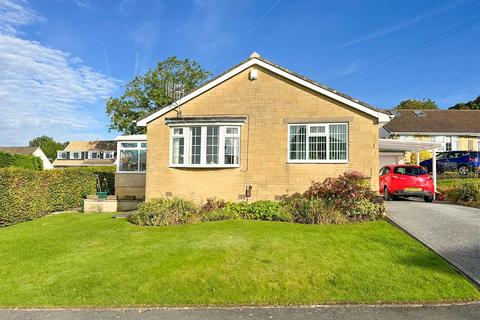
(470, 105)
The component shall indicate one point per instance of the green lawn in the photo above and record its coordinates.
(446, 183)
(94, 260)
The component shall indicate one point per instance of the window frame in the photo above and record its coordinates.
(112, 153)
(92, 152)
(140, 146)
(62, 158)
(75, 158)
(187, 136)
(326, 134)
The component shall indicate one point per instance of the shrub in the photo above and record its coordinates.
(366, 210)
(212, 204)
(165, 212)
(20, 161)
(345, 193)
(258, 210)
(311, 211)
(27, 194)
(467, 193)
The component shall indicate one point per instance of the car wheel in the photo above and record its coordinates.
(387, 195)
(428, 198)
(463, 170)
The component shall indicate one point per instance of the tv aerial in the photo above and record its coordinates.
(176, 91)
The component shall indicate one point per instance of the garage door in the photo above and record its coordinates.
(391, 158)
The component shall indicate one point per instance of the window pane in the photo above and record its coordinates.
(317, 148)
(196, 141)
(212, 145)
(338, 142)
(232, 131)
(232, 150)
(129, 144)
(317, 129)
(143, 145)
(143, 160)
(128, 160)
(298, 144)
(178, 150)
(178, 131)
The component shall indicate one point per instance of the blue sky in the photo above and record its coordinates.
(60, 60)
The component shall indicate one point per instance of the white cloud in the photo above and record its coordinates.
(14, 14)
(44, 90)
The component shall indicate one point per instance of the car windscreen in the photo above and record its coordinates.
(410, 171)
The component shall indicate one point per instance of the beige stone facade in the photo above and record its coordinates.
(269, 104)
(130, 185)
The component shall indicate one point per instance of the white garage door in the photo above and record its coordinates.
(391, 158)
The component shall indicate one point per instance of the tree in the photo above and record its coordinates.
(147, 93)
(470, 105)
(414, 104)
(48, 146)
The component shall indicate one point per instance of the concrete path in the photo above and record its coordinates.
(450, 230)
(468, 311)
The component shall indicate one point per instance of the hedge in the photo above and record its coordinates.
(20, 161)
(27, 194)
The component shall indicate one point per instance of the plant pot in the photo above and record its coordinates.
(102, 195)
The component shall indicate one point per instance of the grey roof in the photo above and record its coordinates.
(461, 121)
(344, 95)
(18, 150)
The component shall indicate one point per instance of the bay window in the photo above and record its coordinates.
(205, 146)
(318, 142)
(132, 156)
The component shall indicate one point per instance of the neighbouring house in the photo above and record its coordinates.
(257, 131)
(453, 130)
(87, 153)
(34, 151)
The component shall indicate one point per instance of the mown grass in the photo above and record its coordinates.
(79, 260)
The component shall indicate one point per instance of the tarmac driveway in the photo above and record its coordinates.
(450, 230)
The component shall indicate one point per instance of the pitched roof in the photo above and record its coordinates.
(99, 145)
(19, 150)
(255, 59)
(435, 121)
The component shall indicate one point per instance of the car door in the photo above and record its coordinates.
(382, 179)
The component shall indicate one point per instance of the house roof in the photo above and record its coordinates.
(255, 59)
(435, 121)
(19, 150)
(99, 145)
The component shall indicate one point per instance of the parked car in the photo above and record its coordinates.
(406, 181)
(461, 161)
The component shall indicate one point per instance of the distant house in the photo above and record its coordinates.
(34, 151)
(454, 130)
(86, 153)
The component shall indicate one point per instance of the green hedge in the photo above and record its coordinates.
(20, 161)
(27, 194)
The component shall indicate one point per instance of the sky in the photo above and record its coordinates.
(61, 59)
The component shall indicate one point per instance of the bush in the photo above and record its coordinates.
(20, 161)
(346, 193)
(366, 210)
(212, 204)
(27, 194)
(258, 210)
(467, 193)
(311, 211)
(106, 175)
(165, 212)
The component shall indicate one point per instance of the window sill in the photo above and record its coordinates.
(317, 161)
(204, 166)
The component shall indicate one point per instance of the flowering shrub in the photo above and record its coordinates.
(349, 194)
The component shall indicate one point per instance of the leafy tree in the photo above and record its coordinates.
(147, 93)
(48, 145)
(414, 104)
(470, 105)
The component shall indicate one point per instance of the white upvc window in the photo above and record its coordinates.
(76, 155)
(94, 155)
(205, 146)
(62, 155)
(132, 156)
(318, 143)
(108, 154)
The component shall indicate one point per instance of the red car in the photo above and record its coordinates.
(406, 181)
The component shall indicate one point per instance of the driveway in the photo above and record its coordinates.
(450, 230)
